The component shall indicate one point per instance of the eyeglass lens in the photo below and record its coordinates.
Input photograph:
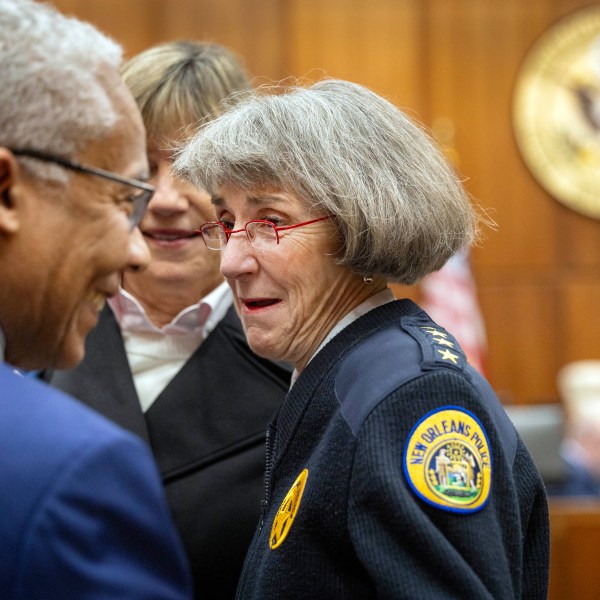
(139, 205)
(139, 202)
(260, 234)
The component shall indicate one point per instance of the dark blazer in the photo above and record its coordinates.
(207, 432)
(82, 510)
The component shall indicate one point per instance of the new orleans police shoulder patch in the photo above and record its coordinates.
(447, 460)
(282, 523)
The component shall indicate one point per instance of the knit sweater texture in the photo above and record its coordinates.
(358, 529)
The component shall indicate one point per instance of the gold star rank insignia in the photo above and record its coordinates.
(447, 355)
(434, 332)
(438, 346)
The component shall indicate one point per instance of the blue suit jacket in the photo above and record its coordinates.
(206, 430)
(82, 510)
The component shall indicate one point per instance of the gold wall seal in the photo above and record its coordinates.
(556, 111)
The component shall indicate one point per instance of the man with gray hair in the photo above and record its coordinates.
(83, 510)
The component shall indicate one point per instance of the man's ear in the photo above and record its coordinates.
(9, 173)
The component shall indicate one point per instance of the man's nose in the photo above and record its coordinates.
(138, 252)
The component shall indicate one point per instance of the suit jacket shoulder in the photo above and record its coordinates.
(85, 501)
(206, 430)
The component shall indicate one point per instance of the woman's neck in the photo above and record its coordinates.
(163, 301)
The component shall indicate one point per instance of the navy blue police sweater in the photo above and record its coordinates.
(393, 472)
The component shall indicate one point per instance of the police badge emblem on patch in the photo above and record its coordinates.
(447, 460)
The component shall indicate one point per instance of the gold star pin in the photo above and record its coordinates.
(447, 355)
(433, 331)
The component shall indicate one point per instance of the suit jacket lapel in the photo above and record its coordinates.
(195, 420)
(103, 377)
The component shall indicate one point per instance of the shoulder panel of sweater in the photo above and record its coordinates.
(401, 350)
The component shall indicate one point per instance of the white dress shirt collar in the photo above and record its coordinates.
(200, 317)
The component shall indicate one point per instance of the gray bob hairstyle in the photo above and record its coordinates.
(56, 78)
(399, 207)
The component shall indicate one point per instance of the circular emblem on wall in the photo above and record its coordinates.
(556, 111)
(447, 460)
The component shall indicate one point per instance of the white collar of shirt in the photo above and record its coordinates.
(157, 354)
(201, 317)
(378, 299)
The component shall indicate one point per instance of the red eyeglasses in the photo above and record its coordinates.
(261, 234)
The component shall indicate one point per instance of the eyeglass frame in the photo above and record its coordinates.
(229, 232)
(135, 218)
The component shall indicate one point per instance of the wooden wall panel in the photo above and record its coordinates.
(477, 38)
(133, 23)
(376, 43)
(252, 29)
(578, 240)
(528, 269)
(523, 336)
(579, 317)
(575, 536)
(453, 64)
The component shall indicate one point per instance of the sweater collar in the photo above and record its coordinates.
(325, 364)
(379, 299)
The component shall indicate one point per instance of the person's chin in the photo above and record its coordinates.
(71, 354)
(89, 315)
(264, 345)
(72, 350)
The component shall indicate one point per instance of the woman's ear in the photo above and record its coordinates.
(9, 217)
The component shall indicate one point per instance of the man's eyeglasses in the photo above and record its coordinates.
(139, 202)
(261, 234)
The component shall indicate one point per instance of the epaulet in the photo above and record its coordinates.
(390, 358)
(438, 347)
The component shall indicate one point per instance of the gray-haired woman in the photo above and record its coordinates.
(392, 470)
